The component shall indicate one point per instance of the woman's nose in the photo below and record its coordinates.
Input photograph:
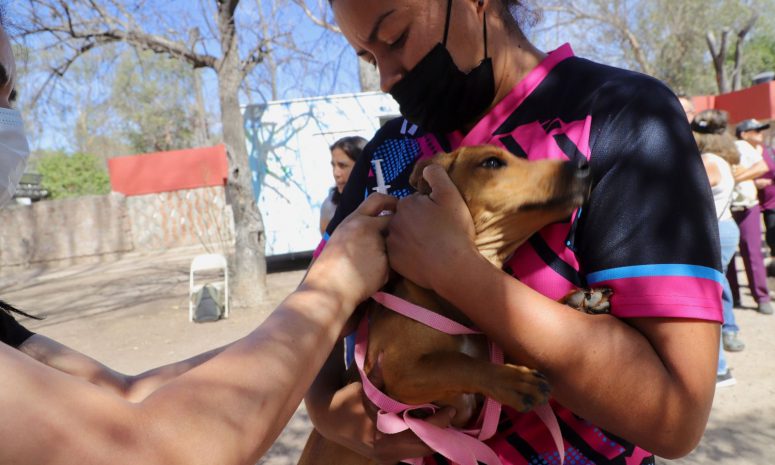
(388, 77)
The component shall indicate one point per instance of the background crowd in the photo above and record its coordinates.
(741, 170)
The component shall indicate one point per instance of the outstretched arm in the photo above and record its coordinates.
(130, 387)
(227, 410)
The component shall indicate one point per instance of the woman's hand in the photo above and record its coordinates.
(354, 262)
(430, 231)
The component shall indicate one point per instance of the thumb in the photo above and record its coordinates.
(376, 203)
(442, 187)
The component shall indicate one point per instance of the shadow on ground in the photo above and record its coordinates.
(287, 449)
(736, 439)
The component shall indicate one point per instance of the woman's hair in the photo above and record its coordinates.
(8, 308)
(517, 14)
(710, 132)
(722, 145)
(352, 146)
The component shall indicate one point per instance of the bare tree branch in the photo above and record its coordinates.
(320, 21)
(737, 71)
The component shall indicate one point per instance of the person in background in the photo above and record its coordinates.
(719, 154)
(688, 105)
(747, 213)
(344, 153)
(766, 187)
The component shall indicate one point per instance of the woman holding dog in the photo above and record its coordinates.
(625, 386)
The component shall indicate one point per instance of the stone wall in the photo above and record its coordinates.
(103, 227)
(181, 218)
(63, 230)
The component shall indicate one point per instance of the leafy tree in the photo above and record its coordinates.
(759, 56)
(664, 38)
(73, 175)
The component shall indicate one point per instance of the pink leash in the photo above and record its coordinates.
(464, 447)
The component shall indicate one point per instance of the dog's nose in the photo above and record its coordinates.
(579, 168)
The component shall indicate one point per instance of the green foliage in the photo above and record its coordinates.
(759, 56)
(72, 175)
(667, 38)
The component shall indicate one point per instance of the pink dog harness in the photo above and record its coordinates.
(463, 447)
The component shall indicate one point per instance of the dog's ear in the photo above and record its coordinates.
(418, 182)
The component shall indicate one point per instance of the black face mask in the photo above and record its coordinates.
(437, 96)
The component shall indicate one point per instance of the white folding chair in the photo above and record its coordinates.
(212, 261)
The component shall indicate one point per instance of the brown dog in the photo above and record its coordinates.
(509, 199)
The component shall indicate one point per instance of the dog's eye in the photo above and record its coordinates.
(493, 163)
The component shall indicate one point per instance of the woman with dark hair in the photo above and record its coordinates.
(344, 154)
(626, 385)
(719, 155)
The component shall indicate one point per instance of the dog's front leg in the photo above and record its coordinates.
(445, 377)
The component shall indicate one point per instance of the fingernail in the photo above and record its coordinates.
(452, 412)
(538, 374)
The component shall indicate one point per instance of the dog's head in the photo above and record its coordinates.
(509, 198)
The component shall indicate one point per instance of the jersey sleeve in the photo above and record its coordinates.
(649, 229)
(11, 332)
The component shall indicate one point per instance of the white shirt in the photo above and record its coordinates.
(745, 192)
(722, 192)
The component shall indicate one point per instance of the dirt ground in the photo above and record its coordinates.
(132, 314)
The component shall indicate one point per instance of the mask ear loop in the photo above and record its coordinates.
(484, 20)
(446, 24)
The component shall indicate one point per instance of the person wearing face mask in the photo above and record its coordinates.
(226, 407)
(625, 386)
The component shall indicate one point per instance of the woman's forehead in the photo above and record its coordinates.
(360, 19)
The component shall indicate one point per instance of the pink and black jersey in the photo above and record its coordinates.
(648, 230)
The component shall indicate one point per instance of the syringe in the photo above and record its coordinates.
(382, 188)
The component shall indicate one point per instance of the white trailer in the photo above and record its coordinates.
(290, 160)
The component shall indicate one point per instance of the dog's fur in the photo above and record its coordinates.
(509, 199)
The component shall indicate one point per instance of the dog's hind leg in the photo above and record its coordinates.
(442, 377)
(321, 451)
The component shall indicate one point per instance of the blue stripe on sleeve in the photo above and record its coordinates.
(640, 271)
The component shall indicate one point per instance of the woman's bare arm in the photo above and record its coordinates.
(130, 387)
(227, 410)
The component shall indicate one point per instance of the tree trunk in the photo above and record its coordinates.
(737, 72)
(249, 263)
(719, 55)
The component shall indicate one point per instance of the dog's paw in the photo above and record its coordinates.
(521, 388)
(593, 301)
